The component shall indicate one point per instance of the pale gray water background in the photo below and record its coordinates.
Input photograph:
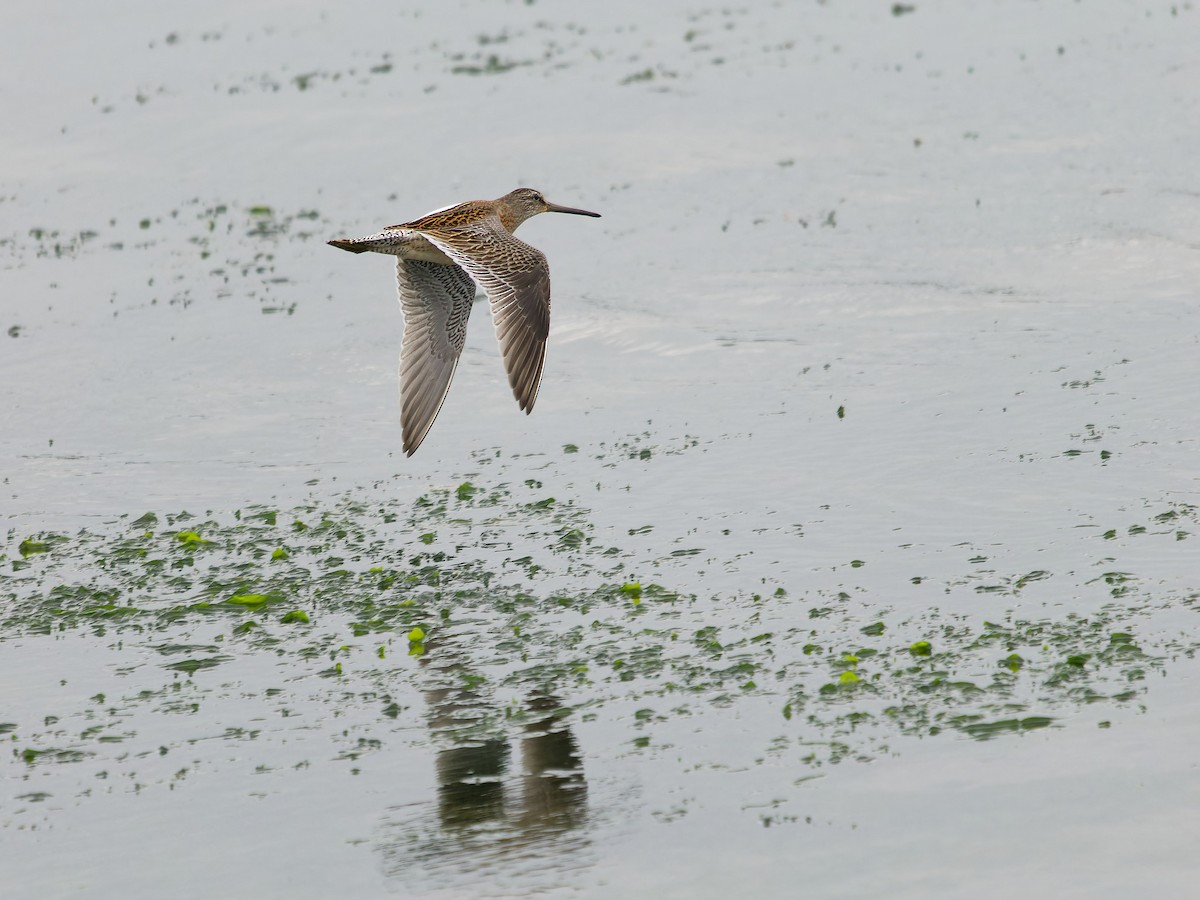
(973, 227)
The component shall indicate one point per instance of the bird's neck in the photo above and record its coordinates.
(510, 218)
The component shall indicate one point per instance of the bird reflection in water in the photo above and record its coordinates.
(488, 815)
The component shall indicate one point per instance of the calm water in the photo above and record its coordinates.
(850, 551)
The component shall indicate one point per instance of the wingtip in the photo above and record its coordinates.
(525, 398)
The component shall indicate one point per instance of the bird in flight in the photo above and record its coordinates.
(440, 258)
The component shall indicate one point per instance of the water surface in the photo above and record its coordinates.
(850, 548)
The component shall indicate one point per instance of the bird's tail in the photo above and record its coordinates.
(354, 245)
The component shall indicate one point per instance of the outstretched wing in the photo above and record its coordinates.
(436, 300)
(516, 279)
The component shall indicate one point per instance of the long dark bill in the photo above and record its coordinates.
(554, 207)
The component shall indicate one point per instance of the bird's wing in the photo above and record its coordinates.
(436, 300)
(516, 279)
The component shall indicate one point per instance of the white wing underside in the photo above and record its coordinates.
(436, 300)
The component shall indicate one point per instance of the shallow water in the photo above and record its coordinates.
(850, 548)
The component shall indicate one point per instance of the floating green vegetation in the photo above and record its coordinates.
(492, 65)
(368, 605)
(173, 241)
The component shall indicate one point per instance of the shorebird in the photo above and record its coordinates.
(440, 257)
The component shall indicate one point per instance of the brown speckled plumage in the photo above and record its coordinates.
(440, 258)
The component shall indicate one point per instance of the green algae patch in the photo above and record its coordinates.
(191, 666)
(29, 547)
(632, 590)
(32, 756)
(192, 539)
(253, 601)
(987, 730)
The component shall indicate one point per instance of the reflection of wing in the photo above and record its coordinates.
(516, 279)
(436, 301)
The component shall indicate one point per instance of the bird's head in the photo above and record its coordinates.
(524, 203)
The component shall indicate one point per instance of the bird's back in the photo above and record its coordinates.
(454, 217)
